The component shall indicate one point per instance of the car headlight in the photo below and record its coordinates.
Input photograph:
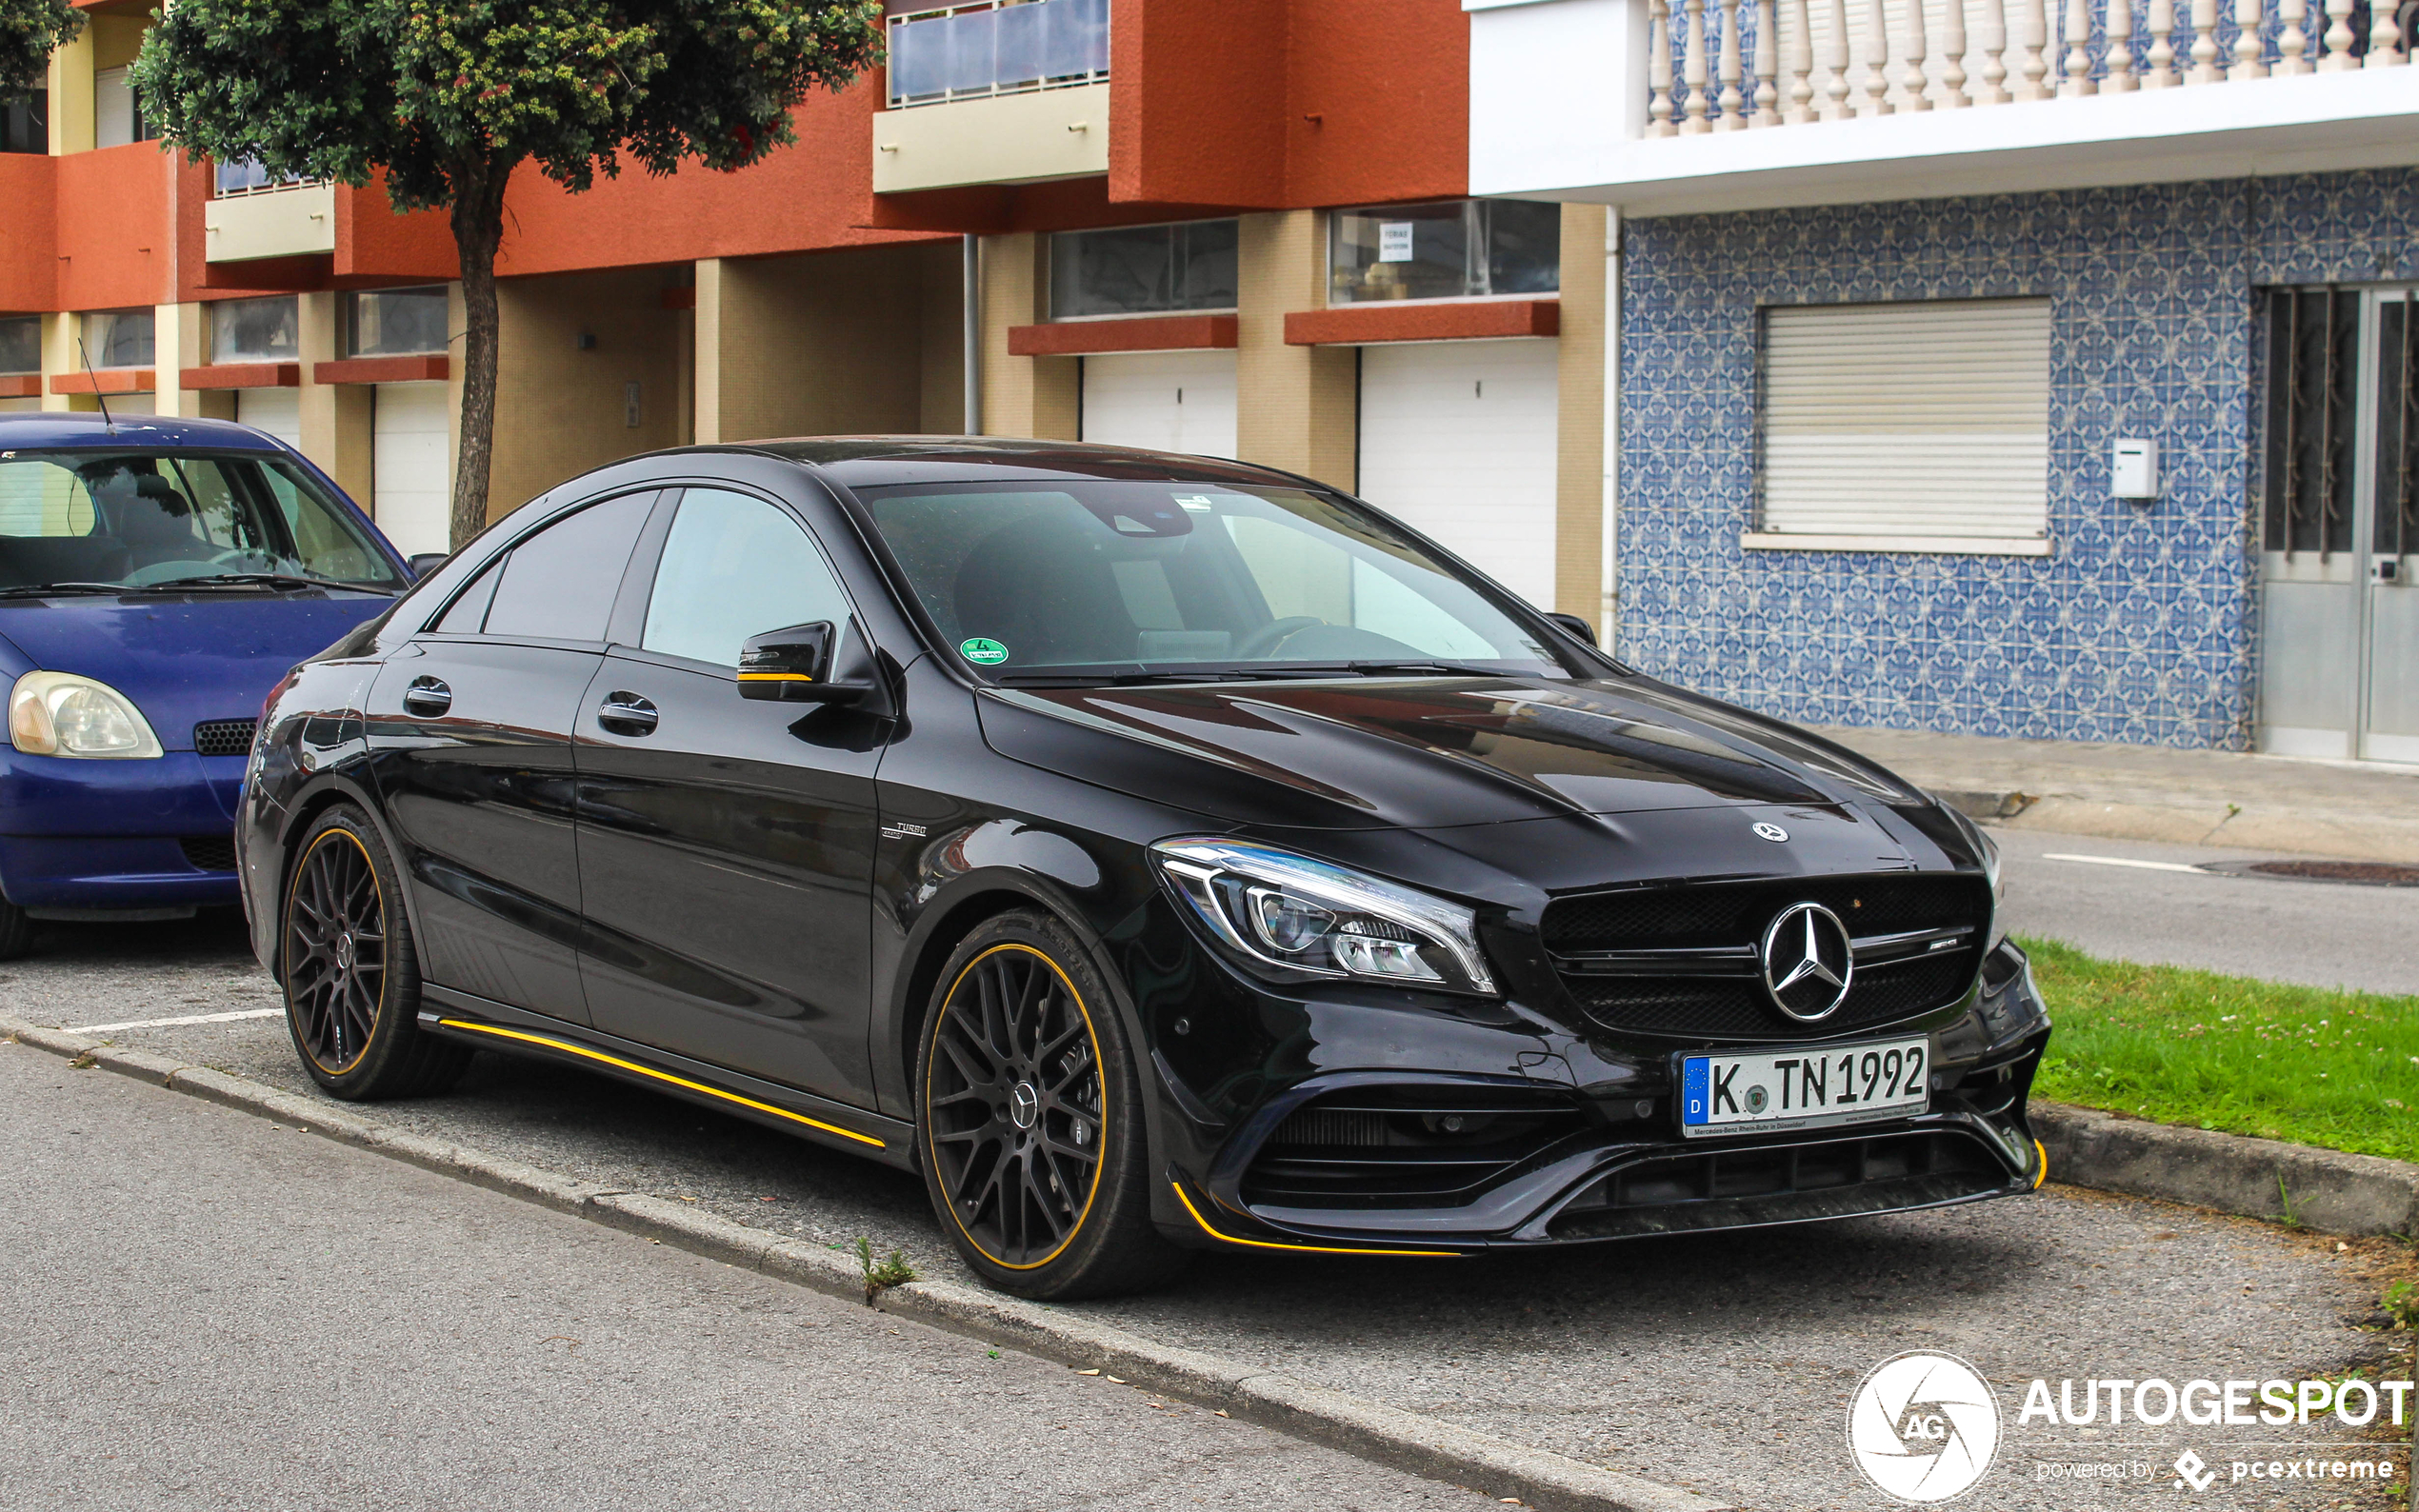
(60, 714)
(1303, 918)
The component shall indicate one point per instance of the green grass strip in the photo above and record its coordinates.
(2309, 1065)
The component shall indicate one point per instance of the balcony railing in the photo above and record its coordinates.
(997, 46)
(1732, 65)
(246, 176)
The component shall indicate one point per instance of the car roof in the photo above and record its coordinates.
(51, 429)
(873, 460)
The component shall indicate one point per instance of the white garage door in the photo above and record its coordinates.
(1169, 401)
(275, 410)
(1458, 440)
(409, 475)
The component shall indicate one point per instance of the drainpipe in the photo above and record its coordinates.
(1609, 618)
(971, 256)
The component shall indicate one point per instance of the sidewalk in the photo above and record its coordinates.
(2357, 810)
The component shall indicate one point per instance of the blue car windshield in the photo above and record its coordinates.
(137, 519)
(1031, 581)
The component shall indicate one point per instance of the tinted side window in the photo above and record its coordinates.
(735, 566)
(469, 611)
(561, 582)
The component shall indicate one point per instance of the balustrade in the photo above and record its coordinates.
(1740, 65)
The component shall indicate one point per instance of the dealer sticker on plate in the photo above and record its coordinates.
(1812, 1087)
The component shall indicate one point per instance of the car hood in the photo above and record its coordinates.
(1425, 752)
(183, 659)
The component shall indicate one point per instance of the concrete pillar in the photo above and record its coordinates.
(1024, 396)
(1579, 433)
(335, 417)
(59, 356)
(70, 103)
(941, 270)
(1297, 407)
(705, 353)
(180, 339)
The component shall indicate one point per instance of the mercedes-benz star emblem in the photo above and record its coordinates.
(1807, 961)
(1772, 832)
(1023, 1106)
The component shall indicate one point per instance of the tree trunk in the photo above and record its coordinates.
(478, 227)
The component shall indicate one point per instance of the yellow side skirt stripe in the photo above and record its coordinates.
(569, 1049)
(1313, 1249)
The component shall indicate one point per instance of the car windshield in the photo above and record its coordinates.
(1122, 579)
(142, 519)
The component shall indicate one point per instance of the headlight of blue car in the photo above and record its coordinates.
(62, 715)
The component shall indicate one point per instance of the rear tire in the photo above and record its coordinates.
(351, 976)
(1030, 1119)
(16, 931)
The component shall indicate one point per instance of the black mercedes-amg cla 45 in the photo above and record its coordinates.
(1157, 854)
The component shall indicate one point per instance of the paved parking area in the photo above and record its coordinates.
(1721, 1364)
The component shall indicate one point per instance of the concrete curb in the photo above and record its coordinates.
(2323, 1189)
(1389, 1436)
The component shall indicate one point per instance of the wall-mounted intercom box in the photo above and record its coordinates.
(2134, 468)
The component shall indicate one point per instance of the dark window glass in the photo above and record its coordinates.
(21, 343)
(560, 583)
(1143, 269)
(2397, 429)
(395, 322)
(469, 612)
(119, 338)
(253, 329)
(1450, 249)
(735, 566)
(2313, 352)
(25, 123)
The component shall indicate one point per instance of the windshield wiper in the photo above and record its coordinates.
(266, 580)
(1425, 668)
(40, 591)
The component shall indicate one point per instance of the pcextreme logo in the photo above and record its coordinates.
(1923, 1427)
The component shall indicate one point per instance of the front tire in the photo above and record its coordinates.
(351, 976)
(16, 931)
(1029, 1115)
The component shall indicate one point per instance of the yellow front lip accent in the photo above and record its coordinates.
(2040, 1172)
(569, 1049)
(1310, 1249)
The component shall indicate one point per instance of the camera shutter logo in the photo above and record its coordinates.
(1923, 1427)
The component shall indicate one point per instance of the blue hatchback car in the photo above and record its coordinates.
(157, 578)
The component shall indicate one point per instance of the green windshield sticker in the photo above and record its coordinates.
(982, 649)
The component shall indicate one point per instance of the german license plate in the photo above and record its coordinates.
(1813, 1088)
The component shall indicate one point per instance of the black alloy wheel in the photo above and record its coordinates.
(1032, 1118)
(351, 978)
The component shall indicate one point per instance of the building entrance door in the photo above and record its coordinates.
(2339, 609)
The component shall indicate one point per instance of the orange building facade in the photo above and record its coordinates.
(1233, 226)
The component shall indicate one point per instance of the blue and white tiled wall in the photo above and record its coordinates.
(2139, 625)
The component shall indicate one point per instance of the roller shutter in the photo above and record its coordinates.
(1457, 441)
(1169, 401)
(275, 410)
(1908, 421)
(410, 477)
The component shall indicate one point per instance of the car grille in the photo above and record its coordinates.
(1612, 950)
(1420, 1146)
(1830, 1178)
(210, 852)
(224, 736)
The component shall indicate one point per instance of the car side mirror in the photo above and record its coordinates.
(813, 663)
(424, 563)
(1583, 632)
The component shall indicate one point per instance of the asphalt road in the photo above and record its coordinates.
(2325, 934)
(201, 1309)
(1718, 1364)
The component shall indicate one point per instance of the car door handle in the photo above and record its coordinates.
(427, 696)
(627, 714)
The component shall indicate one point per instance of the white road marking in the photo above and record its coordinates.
(189, 1018)
(2126, 861)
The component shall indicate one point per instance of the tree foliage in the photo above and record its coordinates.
(448, 97)
(30, 31)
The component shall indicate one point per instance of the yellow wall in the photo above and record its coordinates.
(830, 344)
(1579, 457)
(1296, 408)
(1023, 396)
(559, 410)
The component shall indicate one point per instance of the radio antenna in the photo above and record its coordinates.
(98, 398)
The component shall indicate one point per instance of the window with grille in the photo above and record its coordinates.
(1918, 427)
